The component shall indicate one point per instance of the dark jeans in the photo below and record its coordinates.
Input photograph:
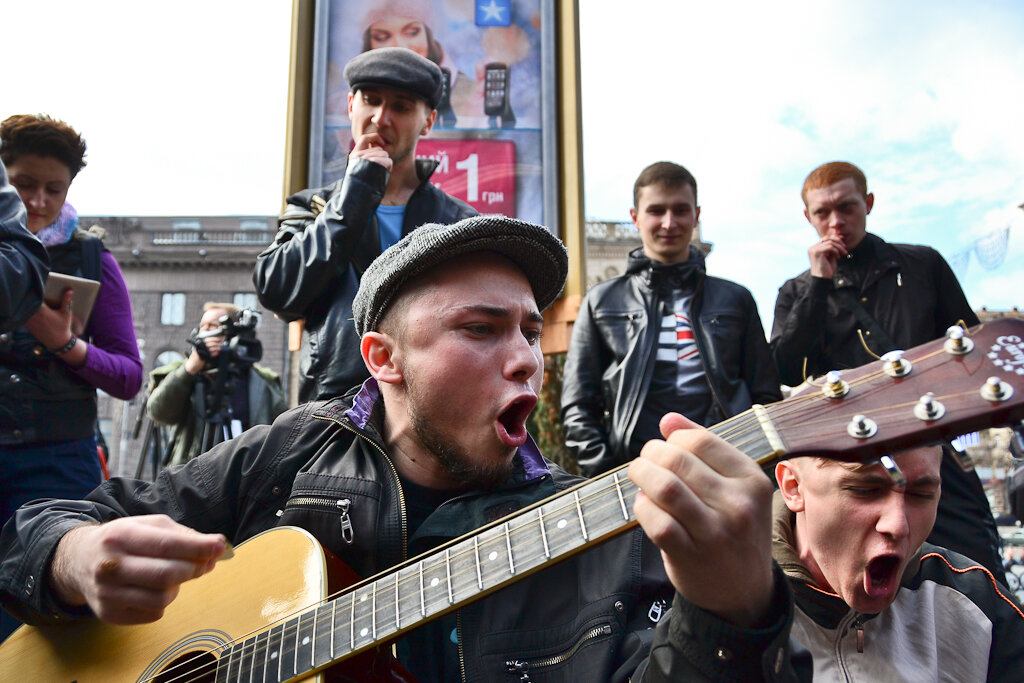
(65, 469)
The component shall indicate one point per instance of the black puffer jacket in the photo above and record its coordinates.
(588, 618)
(612, 353)
(23, 260)
(326, 239)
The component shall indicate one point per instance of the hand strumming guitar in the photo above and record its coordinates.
(128, 570)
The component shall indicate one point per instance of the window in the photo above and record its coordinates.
(254, 224)
(172, 308)
(246, 300)
(192, 224)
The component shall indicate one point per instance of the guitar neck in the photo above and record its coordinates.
(468, 568)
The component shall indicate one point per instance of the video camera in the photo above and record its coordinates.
(239, 332)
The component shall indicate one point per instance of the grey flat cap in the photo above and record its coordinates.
(539, 254)
(399, 68)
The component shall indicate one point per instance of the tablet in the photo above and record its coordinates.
(84, 296)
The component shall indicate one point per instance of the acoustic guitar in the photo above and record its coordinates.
(271, 613)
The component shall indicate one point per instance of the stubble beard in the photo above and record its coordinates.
(454, 459)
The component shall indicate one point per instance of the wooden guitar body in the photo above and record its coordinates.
(272, 576)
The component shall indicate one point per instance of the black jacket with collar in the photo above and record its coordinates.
(613, 349)
(588, 618)
(23, 260)
(909, 290)
(326, 239)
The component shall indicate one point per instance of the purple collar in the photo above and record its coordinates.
(534, 466)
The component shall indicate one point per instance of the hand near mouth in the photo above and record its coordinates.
(825, 254)
(370, 146)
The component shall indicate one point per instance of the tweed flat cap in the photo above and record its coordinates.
(539, 254)
(399, 68)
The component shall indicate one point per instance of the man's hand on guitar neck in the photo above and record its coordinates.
(130, 569)
(708, 507)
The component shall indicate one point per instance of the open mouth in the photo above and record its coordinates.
(881, 574)
(512, 421)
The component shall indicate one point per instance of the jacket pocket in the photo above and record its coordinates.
(619, 329)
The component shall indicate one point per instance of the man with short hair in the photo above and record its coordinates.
(664, 337)
(181, 393)
(875, 601)
(899, 296)
(432, 447)
(329, 236)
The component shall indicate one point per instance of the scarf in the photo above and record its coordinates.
(62, 229)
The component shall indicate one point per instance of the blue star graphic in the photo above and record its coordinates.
(493, 12)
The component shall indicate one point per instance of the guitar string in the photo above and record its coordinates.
(744, 424)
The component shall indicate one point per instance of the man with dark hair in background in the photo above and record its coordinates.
(898, 296)
(665, 337)
(328, 236)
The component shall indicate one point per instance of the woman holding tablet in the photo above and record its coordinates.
(50, 368)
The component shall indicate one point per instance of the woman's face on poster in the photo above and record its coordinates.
(400, 32)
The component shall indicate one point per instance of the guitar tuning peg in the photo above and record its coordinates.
(835, 385)
(928, 409)
(898, 480)
(996, 390)
(1017, 440)
(958, 447)
(956, 343)
(895, 365)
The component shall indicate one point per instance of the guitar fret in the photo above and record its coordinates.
(543, 533)
(255, 654)
(280, 651)
(334, 623)
(448, 573)
(622, 501)
(508, 549)
(352, 624)
(579, 512)
(476, 554)
(423, 604)
(398, 605)
(373, 612)
(312, 649)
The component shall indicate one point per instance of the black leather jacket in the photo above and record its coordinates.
(910, 291)
(608, 367)
(590, 616)
(23, 260)
(326, 239)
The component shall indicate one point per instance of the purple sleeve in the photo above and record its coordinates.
(113, 363)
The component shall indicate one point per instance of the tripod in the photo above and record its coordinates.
(213, 399)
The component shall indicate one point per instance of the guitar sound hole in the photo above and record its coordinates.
(193, 667)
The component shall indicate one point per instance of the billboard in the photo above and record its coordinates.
(494, 136)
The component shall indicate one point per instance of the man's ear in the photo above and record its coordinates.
(788, 476)
(378, 351)
(633, 214)
(350, 96)
(869, 200)
(429, 122)
(807, 216)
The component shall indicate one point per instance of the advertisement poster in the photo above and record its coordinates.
(489, 133)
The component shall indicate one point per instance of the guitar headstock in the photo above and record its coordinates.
(938, 391)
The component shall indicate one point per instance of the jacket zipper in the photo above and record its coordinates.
(342, 504)
(522, 667)
(462, 655)
(394, 473)
(856, 621)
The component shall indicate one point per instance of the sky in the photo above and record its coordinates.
(183, 106)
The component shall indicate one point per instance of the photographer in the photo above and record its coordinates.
(212, 391)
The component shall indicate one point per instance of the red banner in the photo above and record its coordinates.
(479, 172)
